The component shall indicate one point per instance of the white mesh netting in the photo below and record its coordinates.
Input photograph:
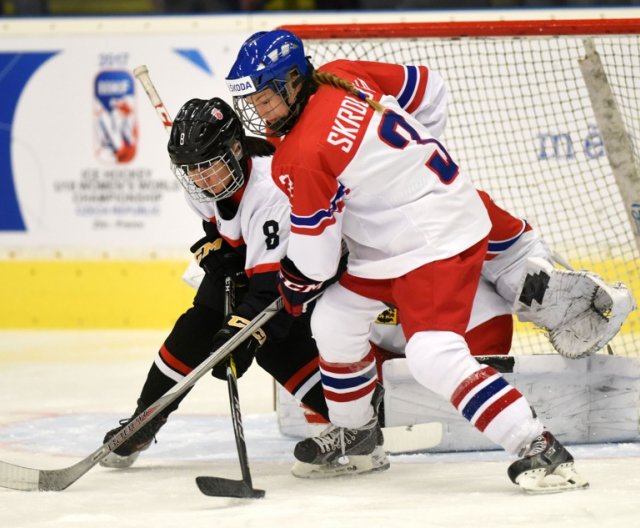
(521, 123)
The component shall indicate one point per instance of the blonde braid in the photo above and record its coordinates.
(331, 79)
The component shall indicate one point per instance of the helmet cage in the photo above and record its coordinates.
(203, 181)
(255, 124)
(267, 60)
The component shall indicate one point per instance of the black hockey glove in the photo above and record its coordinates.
(295, 288)
(217, 258)
(243, 355)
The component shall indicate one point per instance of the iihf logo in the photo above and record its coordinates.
(217, 114)
(115, 122)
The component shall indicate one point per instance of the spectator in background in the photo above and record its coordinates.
(210, 6)
(432, 4)
(26, 7)
(79, 7)
(480, 4)
(86, 7)
(201, 6)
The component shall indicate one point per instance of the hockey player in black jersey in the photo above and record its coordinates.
(227, 181)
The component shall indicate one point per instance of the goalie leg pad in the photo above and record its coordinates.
(580, 312)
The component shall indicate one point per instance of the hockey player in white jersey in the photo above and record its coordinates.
(357, 166)
(227, 181)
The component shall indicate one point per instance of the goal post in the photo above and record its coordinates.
(545, 116)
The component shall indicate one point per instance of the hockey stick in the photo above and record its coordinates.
(28, 479)
(215, 486)
(223, 487)
(142, 74)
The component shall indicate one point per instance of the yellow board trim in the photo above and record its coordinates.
(92, 294)
(149, 294)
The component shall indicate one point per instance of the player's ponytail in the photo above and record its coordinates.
(331, 79)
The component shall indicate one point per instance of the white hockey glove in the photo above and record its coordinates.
(579, 311)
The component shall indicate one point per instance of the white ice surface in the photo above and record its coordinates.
(60, 392)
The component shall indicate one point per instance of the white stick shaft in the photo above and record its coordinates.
(142, 74)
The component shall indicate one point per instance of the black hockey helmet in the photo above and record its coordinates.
(206, 138)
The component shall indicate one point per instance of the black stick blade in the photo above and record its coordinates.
(222, 487)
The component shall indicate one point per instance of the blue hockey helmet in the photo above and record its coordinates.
(266, 60)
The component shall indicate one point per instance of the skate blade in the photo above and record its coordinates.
(356, 465)
(563, 478)
(113, 460)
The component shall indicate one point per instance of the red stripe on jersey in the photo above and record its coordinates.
(318, 230)
(174, 362)
(496, 408)
(506, 228)
(469, 383)
(491, 338)
(263, 268)
(504, 225)
(300, 375)
(351, 395)
(497, 247)
(348, 368)
(423, 79)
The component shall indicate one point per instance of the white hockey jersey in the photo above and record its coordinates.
(381, 181)
(512, 241)
(261, 222)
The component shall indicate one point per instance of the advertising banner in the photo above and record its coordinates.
(83, 162)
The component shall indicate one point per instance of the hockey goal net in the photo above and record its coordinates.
(545, 116)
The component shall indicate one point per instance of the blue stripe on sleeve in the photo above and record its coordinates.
(409, 87)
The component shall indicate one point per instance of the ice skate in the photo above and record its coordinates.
(341, 451)
(546, 467)
(126, 454)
